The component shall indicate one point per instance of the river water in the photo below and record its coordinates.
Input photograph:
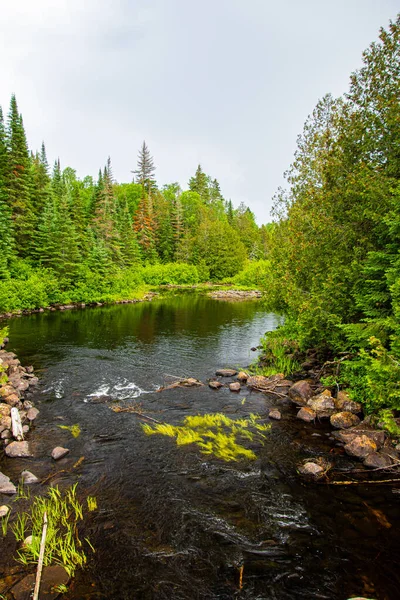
(173, 523)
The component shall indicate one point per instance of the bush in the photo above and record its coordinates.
(255, 273)
(170, 274)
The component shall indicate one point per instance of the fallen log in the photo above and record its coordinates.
(16, 425)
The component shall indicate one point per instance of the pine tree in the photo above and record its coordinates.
(19, 182)
(200, 184)
(6, 225)
(145, 169)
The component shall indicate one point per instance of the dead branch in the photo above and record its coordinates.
(41, 557)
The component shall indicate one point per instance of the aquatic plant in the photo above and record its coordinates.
(92, 503)
(74, 429)
(63, 545)
(215, 434)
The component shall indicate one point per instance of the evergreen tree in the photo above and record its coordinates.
(19, 182)
(199, 184)
(145, 169)
(6, 225)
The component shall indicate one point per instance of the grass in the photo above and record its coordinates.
(63, 546)
(215, 434)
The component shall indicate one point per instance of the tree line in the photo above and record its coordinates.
(336, 243)
(51, 219)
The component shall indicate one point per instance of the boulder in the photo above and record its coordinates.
(343, 402)
(59, 452)
(28, 477)
(242, 376)
(377, 460)
(344, 420)
(300, 392)
(226, 372)
(235, 386)
(6, 486)
(215, 385)
(311, 469)
(361, 446)
(274, 413)
(32, 414)
(307, 414)
(349, 435)
(18, 450)
(322, 404)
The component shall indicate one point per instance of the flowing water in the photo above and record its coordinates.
(173, 523)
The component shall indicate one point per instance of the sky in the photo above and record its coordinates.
(227, 84)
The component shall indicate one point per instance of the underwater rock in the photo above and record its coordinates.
(311, 469)
(32, 414)
(274, 413)
(28, 477)
(52, 577)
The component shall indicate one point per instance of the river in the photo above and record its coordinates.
(173, 523)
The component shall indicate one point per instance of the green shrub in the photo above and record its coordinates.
(255, 273)
(170, 274)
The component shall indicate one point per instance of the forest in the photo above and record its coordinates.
(336, 241)
(65, 239)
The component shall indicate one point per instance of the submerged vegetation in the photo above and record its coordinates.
(215, 434)
(74, 429)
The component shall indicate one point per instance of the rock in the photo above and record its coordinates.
(27, 541)
(18, 450)
(307, 414)
(6, 422)
(377, 460)
(300, 392)
(274, 413)
(215, 385)
(322, 404)
(242, 376)
(5, 410)
(361, 446)
(12, 399)
(235, 386)
(28, 404)
(33, 381)
(59, 452)
(349, 435)
(4, 510)
(343, 402)
(344, 420)
(52, 577)
(25, 428)
(32, 414)
(226, 372)
(28, 477)
(311, 469)
(6, 434)
(6, 486)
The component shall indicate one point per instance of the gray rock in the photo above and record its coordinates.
(28, 477)
(307, 414)
(322, 404)
(18, 450)
(274, 413)
(377, 460)
(344, 420)
(343, 402)
(300, 392)
(4, 510)
(6, 486)
(32, 414)
(59, 452)
(226, 372)
(235, 386)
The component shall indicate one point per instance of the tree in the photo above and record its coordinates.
(199, 183)
(145, 169)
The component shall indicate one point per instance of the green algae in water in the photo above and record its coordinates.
(74, 429)
(215, 434)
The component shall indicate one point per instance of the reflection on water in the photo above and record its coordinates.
(173, 523)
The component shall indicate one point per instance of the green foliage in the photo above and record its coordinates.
(215, 434)
(63, 545)
(172, 274)
(386, 421)
(278, 352)
(255, 273)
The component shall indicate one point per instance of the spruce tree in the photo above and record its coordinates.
(199, 184)
(6, 225)
(19, 181)
(145, 169)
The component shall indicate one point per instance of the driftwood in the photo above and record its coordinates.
(41, 557)
(189, 382)
(135, 411)
(266, 385)
(16, 424)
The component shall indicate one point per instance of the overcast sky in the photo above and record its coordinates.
(224, 83)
